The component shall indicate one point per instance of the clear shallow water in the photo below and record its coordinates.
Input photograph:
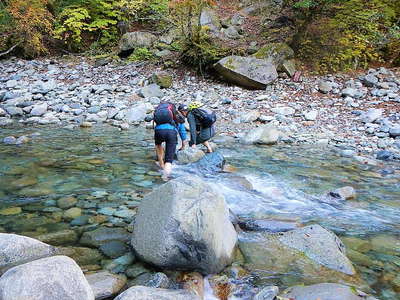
(109, 167)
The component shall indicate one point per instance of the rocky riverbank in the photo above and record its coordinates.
(359, 114)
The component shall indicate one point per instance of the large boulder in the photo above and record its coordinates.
(264, 135)
(275, 53)
(17, 249)
(105, 284)
(317, 252)
(248, 72)
(184, 224)
(52, 278)
(137, 39)
(148, 293)
(325, 291)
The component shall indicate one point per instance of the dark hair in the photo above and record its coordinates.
(182, 107)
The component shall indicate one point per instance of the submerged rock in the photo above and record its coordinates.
(52, 278)
(103, 235)
(184, 224)
(317, 252)
(248, 72)
(210, 163)
(326, 291)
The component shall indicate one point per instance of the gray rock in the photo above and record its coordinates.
(351, 92)
(325, 291)
(325, 86)
(231, 32)
(2, 112)
(371, 115)
(147, 293)
(102, 235)
(5, 121)
(17, 249)
(264, 135)
(288, 66)
(267, 293)
(156, 280)
(105, 284)
(283, 110)
(210, 19)
(151, 90)
(190, 155)
(384, 155)
(250, 117)
(11, 84)
(52, 278)
(136, 113)
(249, 72)
(59, 238)
(311, 115)
(14, 111)
(370, 80)
(137, 39)
(9, 140)
(346, 193)
(184, 224)
(39, 110)
(394, 131)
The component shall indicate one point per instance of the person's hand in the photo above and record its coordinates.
(193, 146)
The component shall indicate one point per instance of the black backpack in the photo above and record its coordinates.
(164, 113)
(206, 119)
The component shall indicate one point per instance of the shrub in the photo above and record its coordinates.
(31, 24)
(141, 54)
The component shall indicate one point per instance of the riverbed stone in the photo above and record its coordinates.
(51, 278)
(371, 115)
(39, 110)
(190, 155)
(325, 86)
(249, 72)
(72, 213)
(148, 293)
(328, 291)
(105, 285)
(103, 235)
(82, 255)
(184, 224)
(59, 238)
(17, 249)
(386, 243)
(346, 193)
(267, 293)
(151, 90)
(264, 135)
(67, 202)
(9, 211)
(394, 131)
(114, 249)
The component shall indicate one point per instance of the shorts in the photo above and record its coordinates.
(170, 137)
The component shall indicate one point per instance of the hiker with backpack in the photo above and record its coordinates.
(200, 123)
(168, 124)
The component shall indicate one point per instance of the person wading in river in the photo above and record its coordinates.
(168, 124)
(200, 123)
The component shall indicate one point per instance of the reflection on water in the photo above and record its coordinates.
(105, 167)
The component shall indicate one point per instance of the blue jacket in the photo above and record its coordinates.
(180, 129)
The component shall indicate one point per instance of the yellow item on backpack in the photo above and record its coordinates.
(194, 105)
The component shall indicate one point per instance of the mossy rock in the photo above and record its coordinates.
(164, 80)
(275, 53)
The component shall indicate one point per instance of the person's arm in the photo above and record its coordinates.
(193, 133)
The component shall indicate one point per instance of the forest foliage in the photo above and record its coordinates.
(330, 34)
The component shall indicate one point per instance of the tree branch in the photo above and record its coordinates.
(9, 50)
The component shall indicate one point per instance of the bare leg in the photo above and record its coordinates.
(160, 155)
(207, 144)
(167, 169)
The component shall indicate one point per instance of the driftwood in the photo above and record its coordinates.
(9, 50)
